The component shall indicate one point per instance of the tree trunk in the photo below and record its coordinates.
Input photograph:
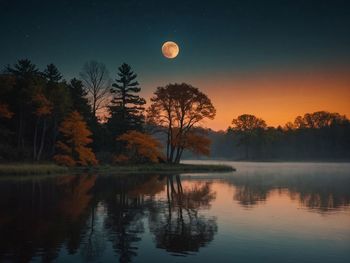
(171, 146)
(172, 151)
(179, 152)
(35, 139)
(94, 107)
(177, 160)
(20, 142)
(168, 144)
(54, 136)
(42, 141)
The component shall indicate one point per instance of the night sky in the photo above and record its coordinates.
(275, 59)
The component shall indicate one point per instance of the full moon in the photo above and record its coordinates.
(170, 49)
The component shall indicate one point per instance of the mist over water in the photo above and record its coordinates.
(277, 212)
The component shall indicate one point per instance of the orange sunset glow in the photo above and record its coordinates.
(275, 96)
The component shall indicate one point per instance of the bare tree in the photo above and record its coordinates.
(96, 84)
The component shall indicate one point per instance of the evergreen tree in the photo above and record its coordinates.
(27, 79)
(126, 110)
(24, 69)
(79, 101)
(58, 93)
(52, 74)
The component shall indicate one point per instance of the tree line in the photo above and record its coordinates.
(319, 135)
(92, 118)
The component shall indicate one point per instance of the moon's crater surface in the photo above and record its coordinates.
(170, 49)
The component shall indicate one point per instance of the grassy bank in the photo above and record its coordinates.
(159, 168)
(31, 169)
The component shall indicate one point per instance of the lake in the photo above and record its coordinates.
(263, 212)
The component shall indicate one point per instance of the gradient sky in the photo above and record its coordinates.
(274, 59)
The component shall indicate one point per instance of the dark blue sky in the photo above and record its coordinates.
(215, 37)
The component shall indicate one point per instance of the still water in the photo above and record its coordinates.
(264, 212)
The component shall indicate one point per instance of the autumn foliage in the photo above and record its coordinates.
(197, 143)
(5, 112)
(6, 84)
(141, 148)
(43, 105)
(73, 146)
(179, 108)
(193, 141)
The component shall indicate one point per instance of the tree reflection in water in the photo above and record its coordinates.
(174, 222)
(44, 218)
(320, 192)
(178, 227)
(41, 214)
(123, 222)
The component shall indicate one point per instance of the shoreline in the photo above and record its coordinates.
(271, 160)
(158, 168)
(50, 169)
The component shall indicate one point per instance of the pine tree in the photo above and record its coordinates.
(79, 101)
(23, 69)
(27, 78)
(126, 108)
(52, 74)
(57, 91)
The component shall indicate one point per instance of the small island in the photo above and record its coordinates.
(98, 125)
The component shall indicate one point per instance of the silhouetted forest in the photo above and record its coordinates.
(315, 136)
(94, 119)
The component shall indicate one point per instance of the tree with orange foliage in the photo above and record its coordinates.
(6, 85)
(141, 147)
(43, 108)
(179, 108)
(197, 143)
(192, 141)
(76, 137)
(6, 116)
(5, 112)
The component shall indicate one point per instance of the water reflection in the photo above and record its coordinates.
(38, 215)
(178, 227)
(88, 216)
(321, 192)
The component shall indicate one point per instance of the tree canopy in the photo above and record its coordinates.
(141, 147)
(35, 103)
(179, 108)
